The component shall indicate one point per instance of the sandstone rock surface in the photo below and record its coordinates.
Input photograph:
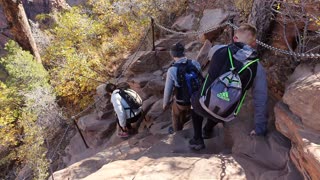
(305, 151)
(155, 154)
(202, 57)
(303, 99)
(96, 131)
(185, 23)
(212, 18)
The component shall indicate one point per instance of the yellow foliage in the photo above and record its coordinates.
(85, 47)
(244, 6)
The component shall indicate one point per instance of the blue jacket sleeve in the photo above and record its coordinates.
(260, 98)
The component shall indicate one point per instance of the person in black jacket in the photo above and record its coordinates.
(242, 50)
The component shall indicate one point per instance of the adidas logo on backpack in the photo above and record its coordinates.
(224, 96)
(225, 93)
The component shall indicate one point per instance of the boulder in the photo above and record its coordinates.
(164, 44)
(212, 18)
(95, 131)
(302, 71)
(146, 61)
(140, 80)
(104, 109)
(155, 86)
(156, 110)
(203, 54)
(147, 104)
(303, 99)
(185, 23)
(155, 115)
(101, 90)
(305, 150)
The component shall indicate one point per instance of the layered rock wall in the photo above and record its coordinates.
(298, 118)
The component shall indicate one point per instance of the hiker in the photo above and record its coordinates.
(233, 69)
(184, 75)
(127, 106)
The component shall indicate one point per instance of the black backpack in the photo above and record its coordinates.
(131, 97)
(189, 79)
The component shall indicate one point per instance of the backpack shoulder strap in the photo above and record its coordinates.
(244, 67)
(231, 60)
(248, 64)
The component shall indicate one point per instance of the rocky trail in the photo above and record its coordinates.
(289, 151)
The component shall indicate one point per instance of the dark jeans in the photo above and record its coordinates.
(211, 123)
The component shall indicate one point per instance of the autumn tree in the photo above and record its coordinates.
(28, 111)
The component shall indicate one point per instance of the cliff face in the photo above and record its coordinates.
(31, 8)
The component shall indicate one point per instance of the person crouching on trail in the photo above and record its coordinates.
(127, 106)
(232, 71)
(185, 76)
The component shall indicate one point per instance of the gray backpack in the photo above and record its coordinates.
(225, 92)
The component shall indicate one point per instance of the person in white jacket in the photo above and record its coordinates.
(125, 114)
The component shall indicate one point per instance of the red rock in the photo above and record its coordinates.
(155, 86)
(303, 99)
(203, 54)
(185, 23)
(301, 72)
(148, 103)
(95, 131)
(145, 62)
(305, 150)
(212, 18)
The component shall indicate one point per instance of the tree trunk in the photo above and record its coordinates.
(261, 17)
(19, 26)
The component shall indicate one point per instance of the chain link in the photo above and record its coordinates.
(135, 54)
(290, 53)
(267, 46)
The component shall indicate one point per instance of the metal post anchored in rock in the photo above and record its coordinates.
(152, 27)
(82, 137)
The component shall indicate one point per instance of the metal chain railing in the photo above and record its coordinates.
(195, 33)
(264, 45)
(290, 53)
(135, 54)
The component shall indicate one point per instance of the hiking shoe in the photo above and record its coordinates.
(170, 130)
(123, 134)
(196, 144)
(207, 134)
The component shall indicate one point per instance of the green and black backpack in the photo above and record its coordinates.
(227, 91)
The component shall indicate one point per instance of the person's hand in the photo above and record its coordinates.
(253, 133)
(124, 129)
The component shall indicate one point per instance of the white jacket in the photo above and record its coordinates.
(120, 106)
